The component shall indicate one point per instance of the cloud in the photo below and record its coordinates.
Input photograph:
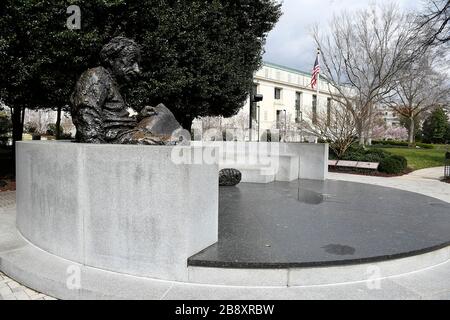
(290, 43)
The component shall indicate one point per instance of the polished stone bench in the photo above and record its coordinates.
(353, 164)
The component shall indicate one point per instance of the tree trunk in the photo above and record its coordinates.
(17, 117)
(412, 130)
(186, 123)
(17, 122)
(368, 139)
(58, 123)
(360, 132)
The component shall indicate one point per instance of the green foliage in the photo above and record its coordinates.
(435, 127)
(422, 158)
(5, 127)
(390, 143)
(30, 127)
(393, 165)
(359, 153)
(389, 163)
(424, 145)
(447, 134)
(393, 143)
(198, 56)
(51, 129)
(406, 123)
(376, 155)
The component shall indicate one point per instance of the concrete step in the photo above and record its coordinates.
(286, 166)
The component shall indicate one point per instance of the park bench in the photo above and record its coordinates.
(361, 165)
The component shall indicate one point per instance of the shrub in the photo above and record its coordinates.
(51, 129)
(435, 126)
(30, 127)
(359, 153)
(332, 155)
(390, 143)
(402, 160)
(425, 145)
(66, 136)
(354, 153)
(393, 164)
(377, 154)
(5, 127)
(393, 143)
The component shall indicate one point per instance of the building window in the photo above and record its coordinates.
(280, 119)
(328, 112)
(277, 93)
(314, 109)
(298, 107)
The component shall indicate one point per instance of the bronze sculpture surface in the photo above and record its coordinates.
(100, 113)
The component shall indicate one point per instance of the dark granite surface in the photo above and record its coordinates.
(314, 223)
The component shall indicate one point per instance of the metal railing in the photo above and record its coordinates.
(447, 165)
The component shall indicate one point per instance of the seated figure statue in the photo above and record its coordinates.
(99, 111)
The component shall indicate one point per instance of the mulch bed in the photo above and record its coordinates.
(369, 172)
(7, 184)
(446, 180)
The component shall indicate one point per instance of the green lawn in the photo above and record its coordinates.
(421, 158)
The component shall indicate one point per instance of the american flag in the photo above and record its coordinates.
(315, 73)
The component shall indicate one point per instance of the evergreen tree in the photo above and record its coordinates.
(435, 127)
(198, 56)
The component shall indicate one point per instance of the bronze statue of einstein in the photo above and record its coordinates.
(100, 113)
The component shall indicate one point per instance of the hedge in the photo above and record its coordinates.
(358, 153)
(394, 143)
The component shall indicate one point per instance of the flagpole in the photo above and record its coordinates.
(318, 76)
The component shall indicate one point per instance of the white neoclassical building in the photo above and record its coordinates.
(287, 99)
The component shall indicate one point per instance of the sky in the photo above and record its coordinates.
(290, 43)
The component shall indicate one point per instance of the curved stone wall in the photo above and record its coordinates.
(139, 210)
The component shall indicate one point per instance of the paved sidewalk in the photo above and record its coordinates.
(426, 181)
(429, 173)
(7, 200)
(11, 290)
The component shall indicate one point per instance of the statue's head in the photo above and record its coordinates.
(122, 56)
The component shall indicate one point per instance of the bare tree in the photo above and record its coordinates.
(433, 23)
(338, 127)
(418, 89)
(362, 55)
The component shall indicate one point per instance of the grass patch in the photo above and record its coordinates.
(421, 158)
